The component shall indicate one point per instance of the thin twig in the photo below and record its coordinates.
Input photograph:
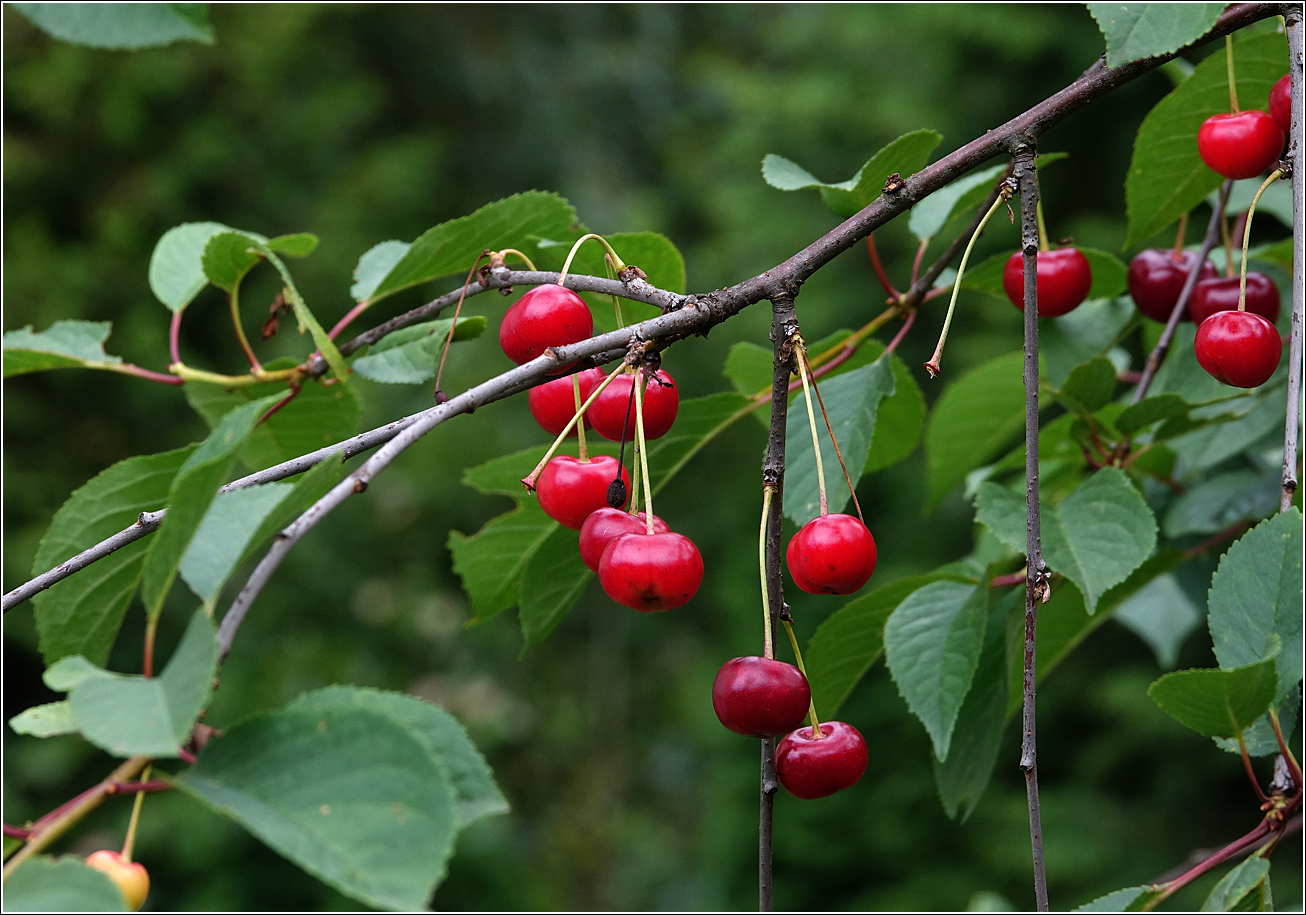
(1036, 586)
(1293, 23)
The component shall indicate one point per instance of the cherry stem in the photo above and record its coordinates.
(817, 733)
(1043, 244)
(529, 482)
(17, 832)
(453, 323)
(1233, 83)
(233, 300)
(610, 269)
(916, 261)
(1179, 236)
(174, 337)
(642, 453)
(147, 653)
(581, 449)
(1247, 765)
(129, 842)
(907, 322)
(1231, 850)
(768, 650)
(349, 317)
(530, 265)
(1247, 234)
(879, 268)
(811, 420)
(1226, 238)
(933, 365)
(566, 265)
(802, 360)
(1293, 768)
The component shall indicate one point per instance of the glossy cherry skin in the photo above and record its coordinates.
(131, 878)
(607, 523)
(1156, 278)
(832, 554)
(651, 572)
(553, 403)
(760, 697)
(810, 768)
(1281, 104)
(1064, 278)
(1238, 348)
(1241, 145)
(546, 316)
(661, 401)
(1221, 294)
(570, 489)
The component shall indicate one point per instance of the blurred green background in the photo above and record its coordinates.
(364, 123)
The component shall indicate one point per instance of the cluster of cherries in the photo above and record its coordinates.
(640, 562)
(1241, 348)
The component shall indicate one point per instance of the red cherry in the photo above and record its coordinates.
(1210, 296)
(547, 315)
(817, 768)
(569, 488)
(650, 572)
(603, 525)
(832, 554)
(131, 878)
(1281, 104)
(661, 401)
(553, 403)
(1064, 278)
(1238, 348)
(1241, 145)
(1156, 278)
(759, 697)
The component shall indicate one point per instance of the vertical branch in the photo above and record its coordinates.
(783, 326)
(1292, 19)
(1036, 586)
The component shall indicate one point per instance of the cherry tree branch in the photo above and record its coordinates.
(1292, 19)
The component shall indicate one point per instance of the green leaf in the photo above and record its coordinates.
(491, 561)
(1276, 202)
(1139, 416)
(932, 645)
(962, 777)
(974, 420)
(1134, 31)
(45, 884)
(177, 264)
(502, 476)
(47, 720)
(1256, 599)
(749, 368)
(121, 26)
(846, 645)
(1246, 888)
(81, 614)
(698, 422)
(373, 266)
(1162, 615)
(64, 345)
(1260, 738)
(348, 791)
(227, 257)
(1089, 386)
(900, 420)
(138, 716)
(1167, 177)
(475, 793)
(1222, 500)
(1126, 900)
(193, 488)
(411, 355)
(929, 216)
(552, 582)
(852, 401)
(1217, 702)
(319, 415)
(452, 247)
(306, 320)
(1095, 536)
(1092, 329)
(904, 156)
(299, 244)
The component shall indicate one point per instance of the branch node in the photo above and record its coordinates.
(360, 486)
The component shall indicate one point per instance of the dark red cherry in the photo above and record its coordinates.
(651, 572)
(546, 316)
(1064, 278)
(810, 768)
(1221, 294)
(1156, 277)
(760, 697)
(606, 523)
(1241, 145)
(661, 401)
(832, 554)
(553, 403)
(1238, 348)
(1281, 104)
(570, 489)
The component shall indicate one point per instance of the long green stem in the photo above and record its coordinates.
(617, 262)
(1247, 234)
(817, 733)
(129, 843)
(767, 651)
(1043, 243)
(1233, 83)
(801, 354)
(234, 301)
(643, 453)
(811, 420)
(581, 450)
